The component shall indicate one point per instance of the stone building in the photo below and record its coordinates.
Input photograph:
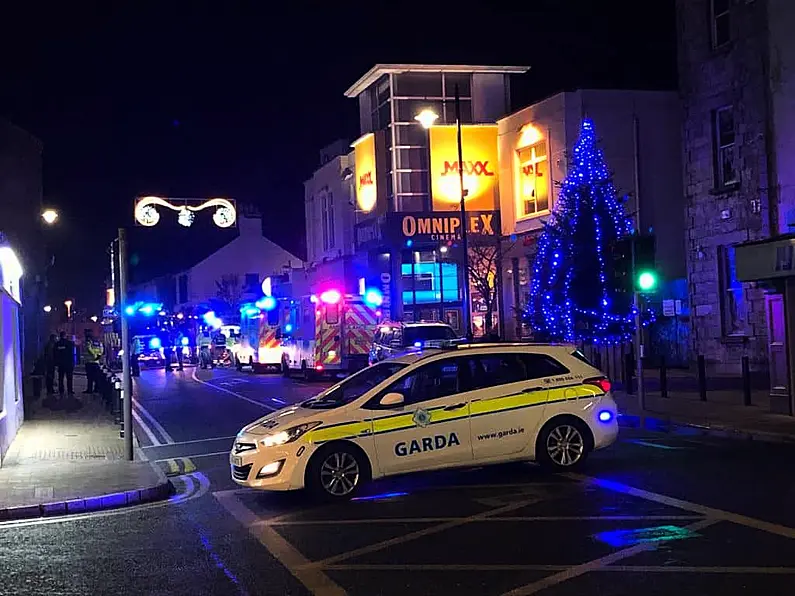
(735, 60)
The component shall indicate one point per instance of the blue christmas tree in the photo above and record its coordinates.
(571, 294)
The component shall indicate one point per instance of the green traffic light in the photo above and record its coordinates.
(647, 281)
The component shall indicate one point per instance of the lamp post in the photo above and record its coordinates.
(49, 216)
(427, 118)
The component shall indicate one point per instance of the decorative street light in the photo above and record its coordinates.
(427, 118)
(47, 308)
(68, 305)
(49, 216)
(146, 213)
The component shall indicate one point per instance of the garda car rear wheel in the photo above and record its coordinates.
(337, 472)
(563, 444)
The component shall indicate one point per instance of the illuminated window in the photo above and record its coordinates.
(533, 179)
(734, 310)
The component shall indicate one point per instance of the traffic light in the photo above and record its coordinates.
(621, 253)
(645, 268)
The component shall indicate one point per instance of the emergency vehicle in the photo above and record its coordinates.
(334, 334)
(262, 325)
(463, 405)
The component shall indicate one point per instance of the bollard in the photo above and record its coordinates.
(746, 381)
(663, 378)
(702, 378)
(628, 369)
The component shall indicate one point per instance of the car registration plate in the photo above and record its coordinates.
(237, 460)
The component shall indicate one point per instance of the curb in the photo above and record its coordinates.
(669, 425)
(162, 490)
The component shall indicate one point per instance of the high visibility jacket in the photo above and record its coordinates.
(204, 341)
(93, 351)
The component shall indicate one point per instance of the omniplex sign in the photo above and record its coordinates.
(479, 166)
(437, 226)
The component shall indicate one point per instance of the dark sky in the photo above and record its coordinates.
(169, 99)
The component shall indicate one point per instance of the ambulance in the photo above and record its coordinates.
(262, 326)
(334, 334)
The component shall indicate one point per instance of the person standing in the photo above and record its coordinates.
(93, 352)
(179, 346)
(49, 364)
(168, 347)
(135, 353)
(65, 361)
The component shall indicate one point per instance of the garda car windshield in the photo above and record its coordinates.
(354, 386)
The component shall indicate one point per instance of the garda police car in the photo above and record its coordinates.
(460, 406)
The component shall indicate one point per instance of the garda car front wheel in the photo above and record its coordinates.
(337, 472)
(563, 444)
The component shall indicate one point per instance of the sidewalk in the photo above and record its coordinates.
(722, 415)
(72, 460)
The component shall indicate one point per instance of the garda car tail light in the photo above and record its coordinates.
(602, 382)
(319, 367)
(330, 297)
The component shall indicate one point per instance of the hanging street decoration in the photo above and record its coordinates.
(147, 214)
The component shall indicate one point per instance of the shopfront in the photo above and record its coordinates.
(771, 263)
(416, 257)
(11, 408)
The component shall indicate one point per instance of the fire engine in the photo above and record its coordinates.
(333, 335)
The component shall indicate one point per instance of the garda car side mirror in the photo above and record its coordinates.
(391, 400)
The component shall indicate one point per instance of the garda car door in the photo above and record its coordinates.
(430, 429)
(507, 405)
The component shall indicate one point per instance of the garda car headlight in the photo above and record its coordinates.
(288, 435)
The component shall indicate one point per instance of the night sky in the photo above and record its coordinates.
(237, 102)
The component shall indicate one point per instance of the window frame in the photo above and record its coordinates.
(719, 178)
(522, 214)
(463, 385)
(713, 24)
(731, 310)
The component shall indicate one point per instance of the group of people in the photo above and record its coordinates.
(60, 356)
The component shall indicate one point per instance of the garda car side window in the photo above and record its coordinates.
(541, 365)
(432, 381)
(491, 370)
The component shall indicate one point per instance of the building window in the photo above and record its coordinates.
(725, 149)
(327, 220)
(733, 306)
(182, 290)
(719, 20)
(533, 179)
(252, 282)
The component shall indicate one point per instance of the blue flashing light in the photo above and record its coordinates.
(381, 496)
(185, 341)
(129, 311)
(373, 297)
(267, 303)
(251, 312)
(154, 343)
(147, 309)
(288, 328)
(409, 243)
(605, 416)
(417, 344)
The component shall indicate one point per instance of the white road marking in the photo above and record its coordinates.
(420, 520)
(655, 445)
(191, 481)
(711, 512)
(147, 431)
(198, 455)
(418, 534)
(232, 438)
(314, 579)
(155, 424)
(237, 395)
(600, 563)
(611, 568)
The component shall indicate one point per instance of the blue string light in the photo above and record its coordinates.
(571, 294)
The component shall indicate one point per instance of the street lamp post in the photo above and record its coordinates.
(427, 118)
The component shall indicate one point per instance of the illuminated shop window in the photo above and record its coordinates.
(533, 179)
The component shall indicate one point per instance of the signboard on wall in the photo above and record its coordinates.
(479, 152)
(768, 259)
(365, 172)
(435, 226)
